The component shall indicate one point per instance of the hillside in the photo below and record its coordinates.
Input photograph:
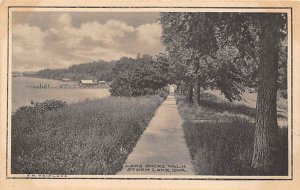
(100, 70)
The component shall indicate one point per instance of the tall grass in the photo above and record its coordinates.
(90, 137)
(220, 137)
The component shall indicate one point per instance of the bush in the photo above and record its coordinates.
(28, 118)
(90, 137)
(27, 121)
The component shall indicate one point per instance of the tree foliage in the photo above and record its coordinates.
(203, 44)
(199, 48)
(141, 76)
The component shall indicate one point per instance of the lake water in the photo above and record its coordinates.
(23, 93)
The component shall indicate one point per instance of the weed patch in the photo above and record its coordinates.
(90, 137)
(220, 139)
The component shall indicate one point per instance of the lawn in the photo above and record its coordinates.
(90, 137)
(220, 136)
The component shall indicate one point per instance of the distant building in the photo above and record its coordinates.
(17, 74)
(65, 80)
(88, 82)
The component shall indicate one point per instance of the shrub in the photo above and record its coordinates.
(29, 118)
(26, 121)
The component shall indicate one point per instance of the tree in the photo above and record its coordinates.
(194, 39)
(228, 73)
(266, 129)
(282, 68)
(137, 77)
(257, 35)
(100, 70)
(256, 38)
(173, 38)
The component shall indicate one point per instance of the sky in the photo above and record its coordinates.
(43, 40)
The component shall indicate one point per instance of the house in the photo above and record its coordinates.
(88, 82)
(65, 80)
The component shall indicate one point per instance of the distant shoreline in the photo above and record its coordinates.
(23, 92)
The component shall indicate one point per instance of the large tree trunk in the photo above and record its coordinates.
(190, 94)
(197, 90)
(266, 129)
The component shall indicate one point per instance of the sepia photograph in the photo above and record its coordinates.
(149, 93)
(130, 94)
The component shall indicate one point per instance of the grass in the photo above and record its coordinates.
(220, 137)
(90, 137)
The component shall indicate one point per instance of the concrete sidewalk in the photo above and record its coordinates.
(161, 150)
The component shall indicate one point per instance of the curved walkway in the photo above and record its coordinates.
(161, 150)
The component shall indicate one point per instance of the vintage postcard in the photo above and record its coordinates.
(138, 94)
